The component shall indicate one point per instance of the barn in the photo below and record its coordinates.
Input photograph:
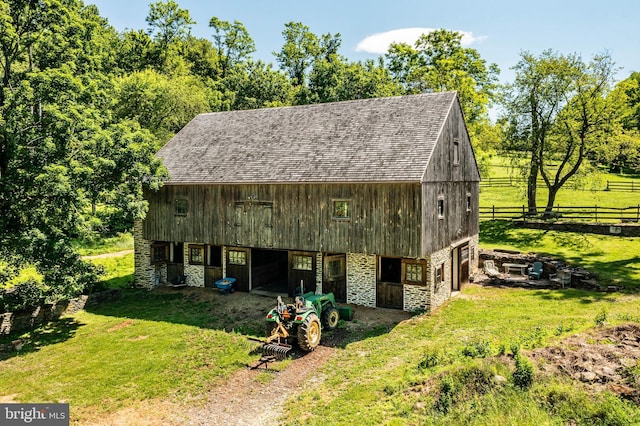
(375, 200)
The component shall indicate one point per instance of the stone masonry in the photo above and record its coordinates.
(194, 273)
(145, 271)
(442, 291)
(361, 279)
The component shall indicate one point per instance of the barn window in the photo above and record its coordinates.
(336, 268)
(341, 209)
(439, 275)
(456, 152)
(441, 207)
(302, 263)
(180, 206)
(413, 272)
(468, 202)
(237, 257)
(159, 252)
(196, 254)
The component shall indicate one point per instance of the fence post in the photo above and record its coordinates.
(524, 215)
(493, 212)
(596, 213)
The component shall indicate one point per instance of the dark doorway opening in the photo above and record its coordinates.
(391, 269)
(269, 270)
(389, 289)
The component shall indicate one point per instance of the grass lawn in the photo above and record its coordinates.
(440, 368)
(144, 346)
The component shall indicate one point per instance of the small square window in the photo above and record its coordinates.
(413, 272)
(302, 263)
(341, 209)
(468, 202)
(237, 257)
(196, 255)
(441, 208)
(180, 207)
(159, 252)
(336, 268)
(439, 274)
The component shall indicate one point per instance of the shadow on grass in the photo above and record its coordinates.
(499, 232)
(585, 297)
(238, 312)
(54, 332)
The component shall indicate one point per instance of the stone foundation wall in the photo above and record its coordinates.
(144, 270)
(440, 292)
(416, 298)
(361, 279)
(194, 273)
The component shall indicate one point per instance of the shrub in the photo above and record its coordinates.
(447, 392)
(477, 349)
(24, 295)
(430, 359)
(524, 372)
(601, 318)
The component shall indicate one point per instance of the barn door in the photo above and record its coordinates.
(238, 267)
(302, 267)
(460, 267)
(389, 289)
(335, 277)
(254, 224)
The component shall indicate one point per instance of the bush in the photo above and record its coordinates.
(24, 295)
(477, 349)
(523, 375)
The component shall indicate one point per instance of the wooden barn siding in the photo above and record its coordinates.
(385, 218)
(454, 182)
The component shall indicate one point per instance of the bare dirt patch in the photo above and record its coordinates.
(122, 325)
(605, 359)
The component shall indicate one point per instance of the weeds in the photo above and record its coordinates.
(477, 349)
(601, 318)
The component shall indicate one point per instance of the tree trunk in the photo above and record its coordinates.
(551, 199)
(532, 183)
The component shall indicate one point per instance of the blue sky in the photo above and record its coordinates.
(498, 29)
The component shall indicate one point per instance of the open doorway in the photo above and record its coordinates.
(269, 270)
(389, 288)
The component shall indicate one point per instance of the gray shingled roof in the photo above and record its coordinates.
(369, 140)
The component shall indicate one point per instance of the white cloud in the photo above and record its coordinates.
(379, 43)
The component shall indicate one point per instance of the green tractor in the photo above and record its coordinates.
(301, 322)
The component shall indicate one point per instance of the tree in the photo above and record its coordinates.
(438, 62)
(168, 22)
(258, 86)
(559, 111)
(302, 48)
(233, 42)
(60, 149)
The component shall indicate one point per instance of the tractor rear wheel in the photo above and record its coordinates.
(330, 318)
(309, 333)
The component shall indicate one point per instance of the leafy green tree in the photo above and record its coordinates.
(335, 79)
(233, 42)
(55, 111)
(438, 62)
(162, 104)
(301, 49)
(168, 23)
(559, 112)
(258, 85)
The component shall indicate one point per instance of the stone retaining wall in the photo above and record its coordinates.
(16, 322)
(618, 230)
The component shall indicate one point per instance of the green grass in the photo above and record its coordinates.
(591, 193)
(104, 245)
(418, 373)
(118, 270)
(614, 260)
(142, 346)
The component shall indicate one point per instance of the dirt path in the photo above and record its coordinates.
(245, 400)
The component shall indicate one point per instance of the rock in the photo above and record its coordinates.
(587, 376)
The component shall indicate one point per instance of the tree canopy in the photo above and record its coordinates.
(84, 108)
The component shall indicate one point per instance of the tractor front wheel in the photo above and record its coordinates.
(330, 318)
(309, 333)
